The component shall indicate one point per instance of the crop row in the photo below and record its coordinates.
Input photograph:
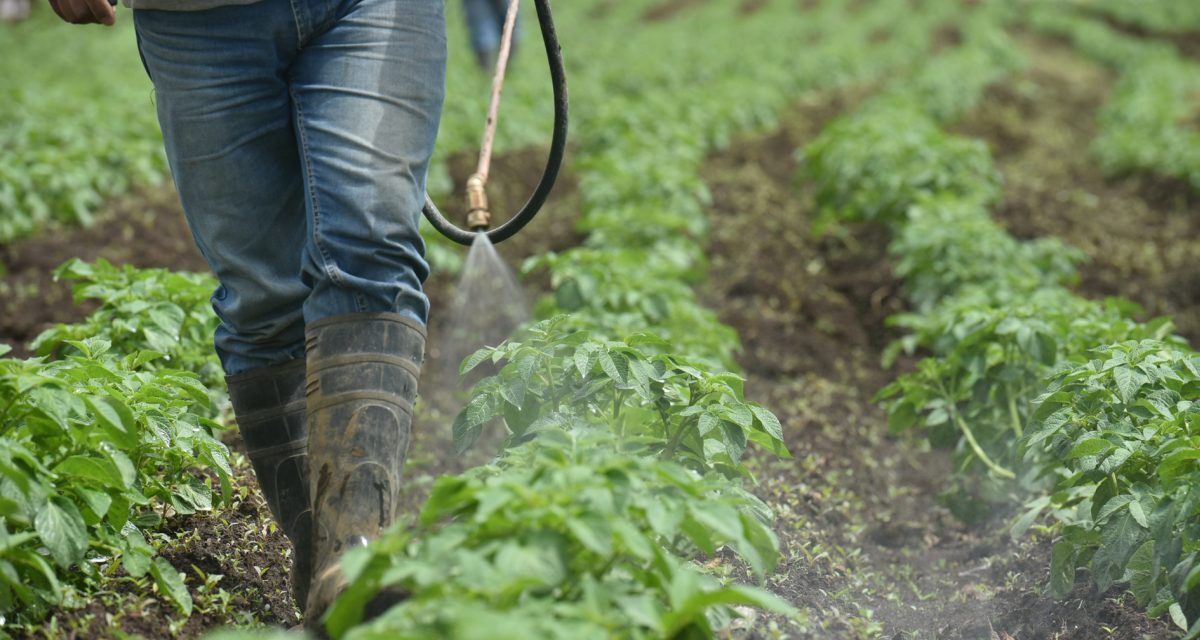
(1049, 395)
(98, 440)
(1143, 126)
(1160, 16)
(117, 421)
(74, 134)
(625, 439)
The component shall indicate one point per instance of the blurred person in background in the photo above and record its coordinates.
(14, 10)
(485, 22)
(299, 135)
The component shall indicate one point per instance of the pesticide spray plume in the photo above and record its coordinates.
(488, 306)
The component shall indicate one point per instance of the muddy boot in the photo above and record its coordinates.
(270, 407)
(362, 383)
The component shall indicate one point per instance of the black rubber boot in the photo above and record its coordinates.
(362, 383)
(270, 407)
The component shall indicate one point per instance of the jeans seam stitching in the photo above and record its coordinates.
(312, 190)
(296, 21)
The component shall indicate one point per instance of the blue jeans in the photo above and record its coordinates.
(485, 22)
(299, 134)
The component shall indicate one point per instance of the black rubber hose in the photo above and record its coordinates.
(558, 149)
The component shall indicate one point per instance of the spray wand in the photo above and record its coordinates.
(479, 215)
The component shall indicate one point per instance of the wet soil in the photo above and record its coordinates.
(1141, 233)
(870, 551)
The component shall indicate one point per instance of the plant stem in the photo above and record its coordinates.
(1016, 415)
(675, 439)
(983, 457)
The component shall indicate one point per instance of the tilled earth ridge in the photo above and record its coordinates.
(869, 551)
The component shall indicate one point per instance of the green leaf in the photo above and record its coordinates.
(1177, 463)
(1062, 569)
(1176, 613)
(1141, 574)
(1033, 509)
(474, 360)
(97, 501)
(593, 533)
(125, 466)
(170, 583)
(138, 554)
(469, 422)
(693, 607)
(584, 358)
(194, 494)
(114, 416)
(1128, 382)
(616, 368)
(901, 417)
(62, 530)
(768, 421)
(632, 538)
(98, 470)
(1118, 539)
(1135, 510)
(1090, 447)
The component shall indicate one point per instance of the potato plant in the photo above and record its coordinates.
(94, 449)
(1121, 431)
(655, 402)
(1143, 125)
(1164, 16)
(73, 134)
(151, 310)
(567, 534)
(1063, 401)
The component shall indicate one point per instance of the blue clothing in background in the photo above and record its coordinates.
(485, 22)
(299, 134)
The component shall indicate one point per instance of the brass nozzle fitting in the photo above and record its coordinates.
(478, 216)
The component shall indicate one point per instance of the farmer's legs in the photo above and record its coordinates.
(483, 25)
(367, 93)
(223, 103)
(367, 90)
(221, 89)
